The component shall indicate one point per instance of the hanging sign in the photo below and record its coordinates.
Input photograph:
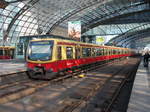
(100, 40)
(74, 29)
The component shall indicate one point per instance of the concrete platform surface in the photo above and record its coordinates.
(140, 97)
(11, 66)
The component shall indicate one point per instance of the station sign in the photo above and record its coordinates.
(100, 40)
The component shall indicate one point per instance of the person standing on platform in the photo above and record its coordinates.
(146, 56)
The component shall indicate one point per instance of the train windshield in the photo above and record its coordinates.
(40, 50)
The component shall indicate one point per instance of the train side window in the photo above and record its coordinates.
(102, 51)
(93, 52)
(117, 51)
(69, 52)
(86, 52)
(105, 51)
(111, 51)
(108, 51)
(99, 51)
(59, 53)
(114, 51)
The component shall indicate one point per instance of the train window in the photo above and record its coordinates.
(93, 52)
(86, 52)
(118, 51)
(97, 52)
(69, 52)
(109, 51)
(105, 51)
(59, 51)
(114, 51)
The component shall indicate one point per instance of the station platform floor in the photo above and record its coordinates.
(140, 96)
(11, 66)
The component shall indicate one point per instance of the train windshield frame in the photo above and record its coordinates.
(40, 50)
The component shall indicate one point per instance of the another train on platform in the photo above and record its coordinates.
(7, 52)
(47, 58)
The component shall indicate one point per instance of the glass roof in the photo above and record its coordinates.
(24, 18)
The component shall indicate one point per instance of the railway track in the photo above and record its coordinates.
(15, 86)
(106, 98)
(129, 75)
(80, 98)
(21, 88)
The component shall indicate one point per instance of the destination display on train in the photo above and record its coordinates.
(42, 43)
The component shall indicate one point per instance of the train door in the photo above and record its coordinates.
(77, 52)
(59, 53)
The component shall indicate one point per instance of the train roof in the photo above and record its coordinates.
(78, 43)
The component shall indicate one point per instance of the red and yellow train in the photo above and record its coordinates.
(52, 56)
(7, 52)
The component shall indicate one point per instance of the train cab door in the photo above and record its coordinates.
(59, 56)
(59, 53)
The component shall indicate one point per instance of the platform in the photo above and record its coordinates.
(11, 66)
(140, 97)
